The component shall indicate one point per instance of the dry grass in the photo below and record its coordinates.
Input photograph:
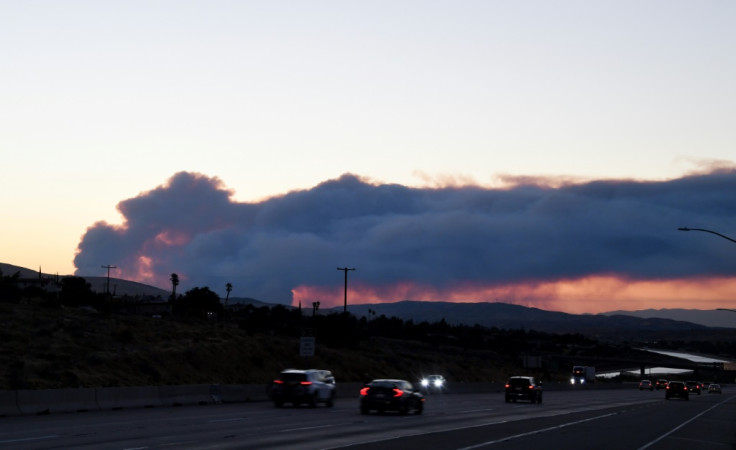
(62, 347)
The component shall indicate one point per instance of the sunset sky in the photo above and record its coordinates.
(539, 153)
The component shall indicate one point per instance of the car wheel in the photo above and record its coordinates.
(507, 399)
(313, 400)
(364, 410)
(540, 398)
(278, 403)
(331, 400)
(404, 410)
(420, 408)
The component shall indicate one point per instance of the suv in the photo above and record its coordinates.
(523, 388)
(661, 384)
(310, 386)
(676, 389)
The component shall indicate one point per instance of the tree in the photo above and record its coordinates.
(198, 303)
(75, 291)
(9, 290)
(174, 283)
(228, 288)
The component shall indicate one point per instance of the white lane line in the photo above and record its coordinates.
(309, 428)
(683, 424)
(37, 438)
(543, 430)
(236, 419)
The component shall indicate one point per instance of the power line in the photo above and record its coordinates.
(107, 285)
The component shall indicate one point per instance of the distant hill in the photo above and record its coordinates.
(500, 315)
(508, 316)
(711, 318)
(9, 269)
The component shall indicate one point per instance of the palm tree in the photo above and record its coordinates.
(228, 288)
(174, 283)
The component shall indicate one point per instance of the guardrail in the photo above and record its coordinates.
(52, 401)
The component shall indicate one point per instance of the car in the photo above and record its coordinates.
(388, 394)
(693, 387)
(523, 388)
(677, 389)
(661, 384)
(714, 388)
(433, 383)
(646, 384)
(311, 386)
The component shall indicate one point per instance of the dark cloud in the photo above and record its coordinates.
(435, 237)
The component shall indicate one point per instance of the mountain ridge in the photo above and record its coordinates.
(489, 314)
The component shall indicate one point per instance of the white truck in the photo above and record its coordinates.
(582, 375)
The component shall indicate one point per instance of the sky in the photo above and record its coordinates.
(540, 153)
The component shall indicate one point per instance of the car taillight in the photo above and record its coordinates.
(398, 392)
(508, 386)
(305, 383)
(686, 389)
(278, 382)
(364, 391)
(531, 387)
(667, 387)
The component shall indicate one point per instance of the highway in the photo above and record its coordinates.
(581, 418)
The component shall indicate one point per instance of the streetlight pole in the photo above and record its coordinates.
(707, 231)
(345, 269)
(717, 234)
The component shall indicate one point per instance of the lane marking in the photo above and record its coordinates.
(684, 423)
(50, 436)
(543, 430)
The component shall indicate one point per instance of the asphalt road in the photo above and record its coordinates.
(585, 418)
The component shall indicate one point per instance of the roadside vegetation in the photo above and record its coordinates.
(77, 338)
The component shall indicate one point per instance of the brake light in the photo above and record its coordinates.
(531, 387)
(305, 383)
(398, 392)
(508, 386)
(364, 391)
(278, 382)
(667, 387)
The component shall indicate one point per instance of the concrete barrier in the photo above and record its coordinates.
(195, 394)
(56, 400)
(73, 400)
(127, 397)
(239, 393)
(9, 403)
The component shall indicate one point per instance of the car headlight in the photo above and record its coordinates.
(425, 382)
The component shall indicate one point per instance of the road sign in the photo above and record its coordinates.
(306, 346)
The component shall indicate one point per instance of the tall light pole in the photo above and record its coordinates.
(707, 231)
(345, 269)
(717, 234)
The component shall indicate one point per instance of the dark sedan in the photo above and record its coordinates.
(391, 395)
(693, 387)
(677, 389)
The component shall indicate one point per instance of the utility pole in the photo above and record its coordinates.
(345, 269)
(107, 285)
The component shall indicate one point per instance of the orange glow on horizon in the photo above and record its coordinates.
(594, 294)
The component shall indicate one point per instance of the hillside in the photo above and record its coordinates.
(56, 347)
(710, 318)
(507, 316)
